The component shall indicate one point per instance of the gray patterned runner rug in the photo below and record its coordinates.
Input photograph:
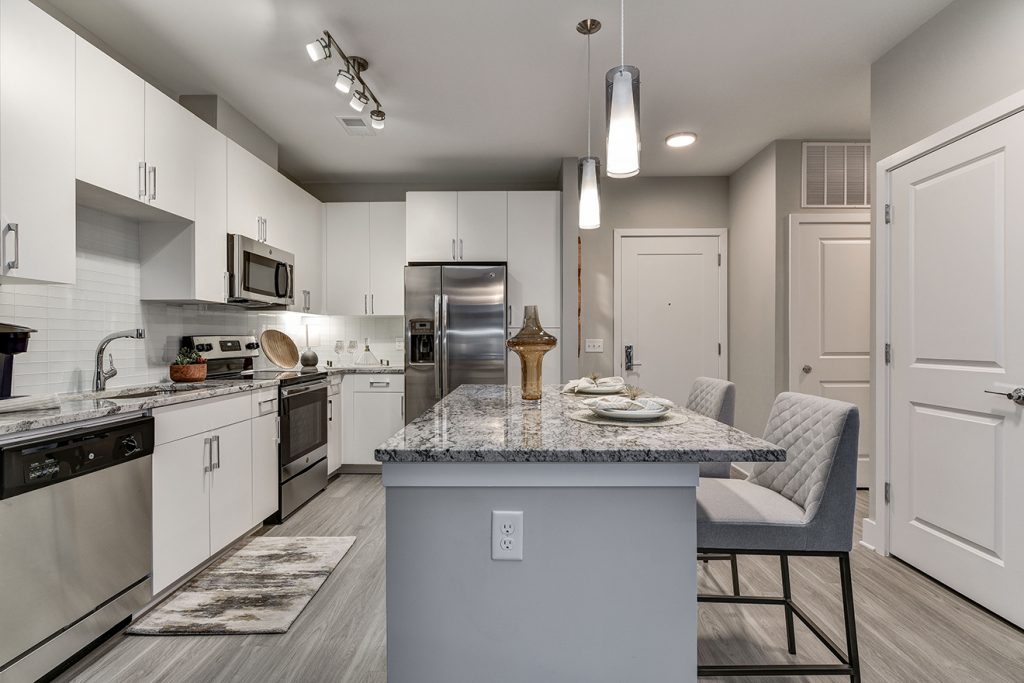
(260, 588)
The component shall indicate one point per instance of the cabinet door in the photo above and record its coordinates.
(246, 177)
(431, 226)
(181, 508)
(387, 258)
(110, 115)
(483, 226)
(305, 239)
(333, 432)
(347, 225)
(266, 472)
(37, 144)
(231, 493)
(170, 155)
(535, 255)
(551, 369)
(376, 416)
(210, 244)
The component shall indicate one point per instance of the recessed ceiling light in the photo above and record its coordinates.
(681, 139)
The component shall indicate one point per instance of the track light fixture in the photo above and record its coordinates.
(350, 76)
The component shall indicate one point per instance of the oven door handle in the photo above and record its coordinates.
(287, 393)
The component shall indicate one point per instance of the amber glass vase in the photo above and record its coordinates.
(531, 344)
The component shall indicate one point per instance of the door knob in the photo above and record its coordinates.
(806, 369)
(1016, 395)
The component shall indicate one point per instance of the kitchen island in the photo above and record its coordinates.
(606, 587)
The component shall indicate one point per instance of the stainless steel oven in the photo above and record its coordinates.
(259, 275)
(303, 449)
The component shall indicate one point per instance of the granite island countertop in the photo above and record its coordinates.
(491, 423)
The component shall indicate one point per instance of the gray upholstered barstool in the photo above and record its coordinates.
(803, 506)
(716, 398)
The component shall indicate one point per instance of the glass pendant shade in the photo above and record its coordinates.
(590, 193)
(623, 105)
(344, 82)
(359, 101)
(377, 119)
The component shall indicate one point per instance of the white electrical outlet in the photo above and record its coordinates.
(506, 535)
(594, 346)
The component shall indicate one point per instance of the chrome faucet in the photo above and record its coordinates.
(103, 375)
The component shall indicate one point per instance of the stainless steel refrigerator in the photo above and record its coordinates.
(454, 331)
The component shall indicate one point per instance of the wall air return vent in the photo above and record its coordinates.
(354, 125)
(835, 175)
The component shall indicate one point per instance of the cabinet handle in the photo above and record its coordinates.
(453, 249)
(461, 256)
(207, 445)
(330, 410)
(216, 440)
(13, 263)
(365, 309)
(266, 229)
(380, 384)
(152, 177)
(371, 304)
(259, 406)
(279, 429)
(142, 180)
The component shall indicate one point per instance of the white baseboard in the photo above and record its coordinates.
(870, 536)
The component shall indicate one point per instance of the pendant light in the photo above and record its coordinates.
(589, 166)
(622, 86)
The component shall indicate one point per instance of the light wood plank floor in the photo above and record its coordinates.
(911, 629)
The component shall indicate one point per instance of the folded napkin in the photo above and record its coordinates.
(586, 383)
(626, 403)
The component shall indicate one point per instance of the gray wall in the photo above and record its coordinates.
(680, 202)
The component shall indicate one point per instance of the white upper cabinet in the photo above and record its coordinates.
(535, 256)
(247, 192)
(431, 221)
(110, 104)
(37, 146)
(387, 258)
(483, 226)
(210, 244)
(300, 230)
(365, 258)
(170, 155)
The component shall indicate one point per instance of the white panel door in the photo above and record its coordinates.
(246, 188)
(387, 258)
(348, 264)
(535, 255)
(266, 471)
(671, 310)
(376, 417)
(110, 103)
(551, 368)
(37, 144)
(431, 226)
(483, 226)
(830, 315)
(957, 320)
(181, 508)
(231, 493)
(170, 155)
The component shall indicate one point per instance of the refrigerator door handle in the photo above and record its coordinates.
(444, 344)
(437, 346)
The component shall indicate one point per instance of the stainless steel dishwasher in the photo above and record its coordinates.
(75, 540)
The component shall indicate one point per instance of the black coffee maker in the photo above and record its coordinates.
(13, 340)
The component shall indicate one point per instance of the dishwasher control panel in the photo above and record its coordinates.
(36, 463)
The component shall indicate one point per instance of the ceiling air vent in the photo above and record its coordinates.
(835, 175)
(354, 125)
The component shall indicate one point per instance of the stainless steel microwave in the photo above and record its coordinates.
(259, 275)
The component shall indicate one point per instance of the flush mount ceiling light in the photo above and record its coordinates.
(622, 99)
(349, 76)
(589, 166)
(681, 139)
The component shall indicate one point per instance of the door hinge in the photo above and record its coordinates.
(719, 348)
(888, 214)
(888, 354)
(719, 260)
(888, 493)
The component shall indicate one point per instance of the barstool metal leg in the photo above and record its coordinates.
(787, 594)
(846, 578)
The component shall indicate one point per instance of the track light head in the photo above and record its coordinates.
(344, 81)
(377, 119)
(359, 101)
(319, 49)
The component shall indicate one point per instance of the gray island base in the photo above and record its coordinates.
(606, 588)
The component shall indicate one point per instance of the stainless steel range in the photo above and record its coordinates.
(302, 446)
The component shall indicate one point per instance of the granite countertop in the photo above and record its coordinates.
(89, 405)
(491, 423)
(366, 370)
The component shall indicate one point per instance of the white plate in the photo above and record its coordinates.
(630, 415)
(600, 391)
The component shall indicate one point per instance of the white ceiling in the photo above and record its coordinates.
(495, 90)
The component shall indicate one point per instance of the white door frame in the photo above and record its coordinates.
(723, 280)
(877, 530)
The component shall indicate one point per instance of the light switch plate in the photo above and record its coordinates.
(399, 343)
(506, 535)
(594, 346)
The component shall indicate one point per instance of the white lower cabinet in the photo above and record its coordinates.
(231, 492)
(266, 472)
(334, 410)
(551, 369)
(374, 411)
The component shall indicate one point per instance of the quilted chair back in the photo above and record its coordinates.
(714, 398)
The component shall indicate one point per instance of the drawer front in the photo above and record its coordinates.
(195, 417)
(264, 402)
(382, 383)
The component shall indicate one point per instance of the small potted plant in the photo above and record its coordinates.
(188, 366)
